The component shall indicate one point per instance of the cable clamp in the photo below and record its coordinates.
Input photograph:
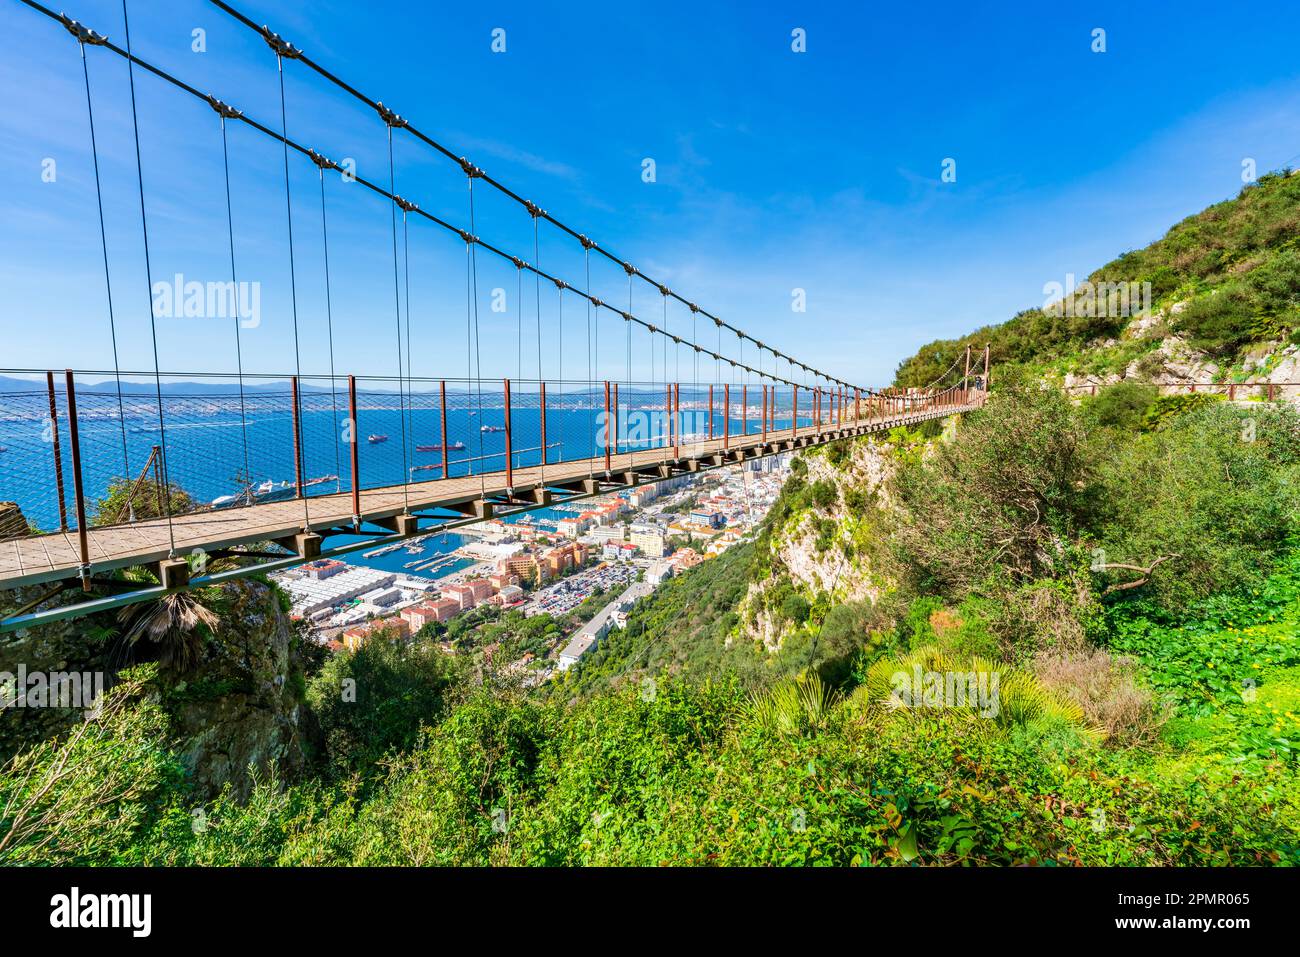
(651, 327)
(470, 169)
(533, 209)
(595, 302)
(695, 308)
(324, 162)
(281, 46)
(627, 316)
(664, 290)
(560, 284)
(406, 204)
(470, 238)
(629, 269)
(224, 110)
(82, 33)
(586, 243)
(390, 117)
(717, 322)
(519, 263)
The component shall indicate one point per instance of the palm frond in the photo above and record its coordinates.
(795, 707)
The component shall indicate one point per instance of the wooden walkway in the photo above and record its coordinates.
(49, 558)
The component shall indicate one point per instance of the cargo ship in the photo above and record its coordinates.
(452, 447)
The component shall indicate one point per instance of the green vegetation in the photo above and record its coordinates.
(1146, 711)
(1236, 264)
(124, 499)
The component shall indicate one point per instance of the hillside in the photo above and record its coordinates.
(1223, 305)
(1141, 712)
(1047, 632)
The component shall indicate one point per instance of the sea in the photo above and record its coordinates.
(221, 445)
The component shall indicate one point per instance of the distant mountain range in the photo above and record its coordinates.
(11, 384)
(14, 384)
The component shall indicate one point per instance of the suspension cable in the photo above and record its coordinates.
(234, 279)
(591, 394)
(288, 51)
(627, 330)
(293, 283)
(148, 269)
(108, 282)
(410, 389)
(450, 154)
(397, 307)
(541, 384)
(329, 322)
(478, 355)
(519, 322)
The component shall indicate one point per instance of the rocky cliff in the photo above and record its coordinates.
(824, 534)
(237, 713)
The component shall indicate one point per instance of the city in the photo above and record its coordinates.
(552, 561)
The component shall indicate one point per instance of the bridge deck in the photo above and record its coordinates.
(46, 558)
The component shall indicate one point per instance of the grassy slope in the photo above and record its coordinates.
(1235, 263)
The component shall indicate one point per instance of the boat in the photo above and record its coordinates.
(492, 428)
(267, 491)
(264, 490)
(376, 439)
(452, 447)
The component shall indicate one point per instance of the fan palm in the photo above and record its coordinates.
(1021, 699)
(795, 707)
(176, 623)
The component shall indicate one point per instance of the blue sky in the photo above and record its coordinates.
(775, 170)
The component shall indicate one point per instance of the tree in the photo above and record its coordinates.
(126, 501)
(1006, 497)
(795, 608)
(372, 701)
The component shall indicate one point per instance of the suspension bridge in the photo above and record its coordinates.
(114, 468)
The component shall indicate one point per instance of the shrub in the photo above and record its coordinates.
(1122, 405)
(372, 701)
(795, 608)
(1107, 690)
(1004, 499)
(1219, 323)
(1215, 492)
(823, 493)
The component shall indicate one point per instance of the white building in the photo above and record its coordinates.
(383, 597)
(311, 595)
(649, 539)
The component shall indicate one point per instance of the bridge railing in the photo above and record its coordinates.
(84, 450)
